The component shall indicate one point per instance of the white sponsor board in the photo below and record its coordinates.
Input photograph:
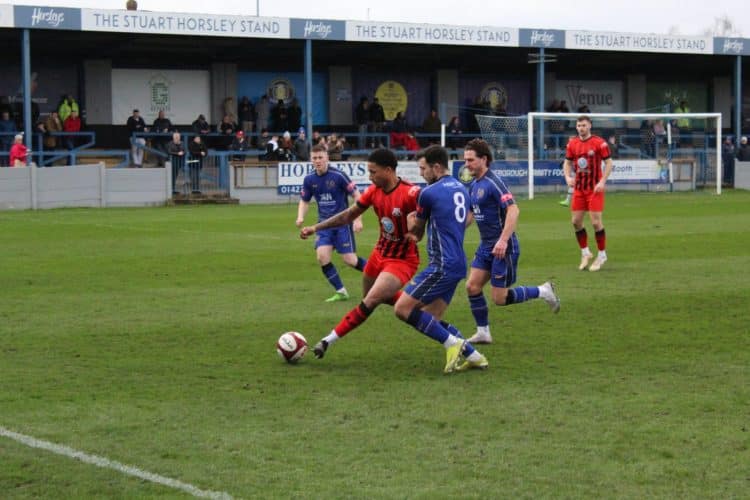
(291, 174)
(182, 94)
(170, 23)
(638, 42)
(372, 31)
(638, 171)
(6, 16)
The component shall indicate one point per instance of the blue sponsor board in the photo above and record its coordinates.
(732, 46)
(516, 173)
(553, 39)
(318, 29)
(50, 18)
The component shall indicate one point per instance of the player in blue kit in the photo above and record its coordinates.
(442, 209)
(331, 189)
(496, 259)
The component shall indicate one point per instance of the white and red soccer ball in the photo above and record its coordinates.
(291, 346)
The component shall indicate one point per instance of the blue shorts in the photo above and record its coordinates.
(431, 284)
(341, 238)
(502, 271)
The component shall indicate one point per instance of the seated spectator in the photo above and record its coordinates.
(201, 125)
(52, 124)
(583, 109)
(18, 152)
(286, 146)
(228, 129)
(272, 148)
(240, 144)
(301, 146)
(335, 147)
(317, 138)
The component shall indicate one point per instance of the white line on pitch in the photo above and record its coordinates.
(111, 464)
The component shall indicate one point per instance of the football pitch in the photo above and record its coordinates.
(145, 339)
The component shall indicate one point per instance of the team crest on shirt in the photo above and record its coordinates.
(480, 193)
(591, 152)
(583, 163)
(387, 224)
(330, 184)
(396, 212)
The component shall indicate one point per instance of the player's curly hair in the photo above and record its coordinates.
(480, 148)
(383, 158)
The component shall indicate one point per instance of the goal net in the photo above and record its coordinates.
(650, 151)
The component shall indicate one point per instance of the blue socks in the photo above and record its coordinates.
(332, 275)
(521, 294)
(479, 309)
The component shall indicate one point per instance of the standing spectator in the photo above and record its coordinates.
(431, 125)
(301, 146)
(454, 129)
(176, 151)
(564, 107)
(52, 124)
(136, 124)
(280, 116)
(162, 125)
(377, 121)
(584, 156)
(362, 118)
(198, 152)
(7, 129)
(246, 115)
(18, 152)
(201, 125)
(743, 154)
(67, 106)
(229, 108)
(614, 146)
(727, 160)
(72, 125)
(262, 114)
(335, 147)
(295, 115)
(228, 128)
(317, 138)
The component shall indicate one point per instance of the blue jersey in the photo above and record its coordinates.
(490, 199)
(331, 190)
(443, 205)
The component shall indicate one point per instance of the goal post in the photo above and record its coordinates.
(687, 138)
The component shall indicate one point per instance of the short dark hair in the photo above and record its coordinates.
(480, 147)
(584, 118)
(384, 158)
(319, 148)
(434, 154)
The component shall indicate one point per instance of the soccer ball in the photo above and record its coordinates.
(291, 346)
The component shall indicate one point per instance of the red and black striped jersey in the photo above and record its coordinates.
(586, 157)
(392, 208)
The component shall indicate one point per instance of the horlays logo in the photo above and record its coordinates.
(542, 38)
(47, 17)
(733, 45)
(319, 29)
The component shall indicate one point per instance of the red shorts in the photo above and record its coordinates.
(403, 269)
(587, 201)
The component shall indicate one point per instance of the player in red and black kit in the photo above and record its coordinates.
(583, 172)
(395, 259)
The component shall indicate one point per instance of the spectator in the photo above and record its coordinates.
(727, 160)
(201, 126)
(743, 153)
(228, 129)
(317, 138)
(584, 110)
(18, 152)
(162, 125)
(377, 122)
(176, 151)
(198, 152)
(335, 147)
(362, 119)
(5, 107)
(454, 129)
(263, 140)
(295, 115)
(136, 124)
(240, 144)
(229, 108)
(614, 146)
(67, 106)
(301, 146)
(648, 139)
(262, 114)
(72, 125)
(431, 125)
(564, 107)
(52, 124)
(246, 113)
(7, 129)
(399, 123)
(272, 148)
(286, 146)
(280, 116)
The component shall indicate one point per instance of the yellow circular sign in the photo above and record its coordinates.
(392, 97)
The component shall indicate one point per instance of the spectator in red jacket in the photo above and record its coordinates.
(71, 124)
(18, 152)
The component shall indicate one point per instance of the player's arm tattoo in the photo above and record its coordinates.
(341, 218)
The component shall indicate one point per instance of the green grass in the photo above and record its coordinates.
(147, 336)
